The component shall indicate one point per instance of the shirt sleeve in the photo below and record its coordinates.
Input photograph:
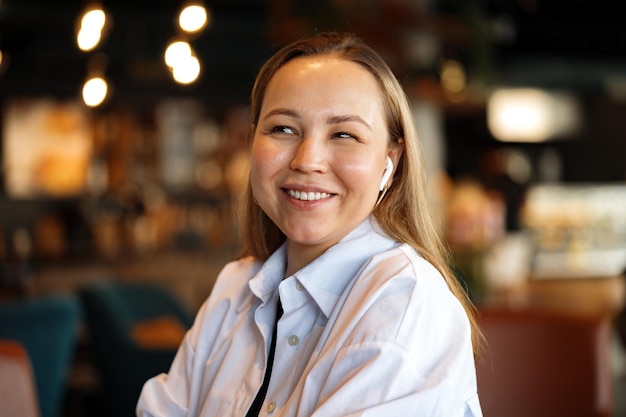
(166, 395)
(377, 379)
(406, 349)
(179, 392)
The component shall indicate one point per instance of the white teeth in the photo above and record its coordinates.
(310, 196)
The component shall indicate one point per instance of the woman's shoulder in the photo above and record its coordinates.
(400, 294)
(406, 262)
(246, 264)
(403, 269)
(237, 271)
(231, 286)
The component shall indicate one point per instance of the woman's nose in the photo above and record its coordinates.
(310, 156)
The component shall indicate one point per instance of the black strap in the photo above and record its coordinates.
(255, 408)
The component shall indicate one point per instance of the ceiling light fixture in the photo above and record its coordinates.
(531, 115)
(96, 87)
(95, 91)
(187, 71)
(91, 28)
(182, 62)
(193, 17)
(177, 51)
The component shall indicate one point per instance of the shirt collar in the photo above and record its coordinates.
(326, 278)
(266, 280)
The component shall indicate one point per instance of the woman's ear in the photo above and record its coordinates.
(395, 152)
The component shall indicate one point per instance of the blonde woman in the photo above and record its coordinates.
(342, 303)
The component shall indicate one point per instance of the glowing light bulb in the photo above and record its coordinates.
(90, 31)
(94, 19)
(176, 52)
(186, 71)
(88, 39)
(531, 115)
(95, 91)
(193, 18)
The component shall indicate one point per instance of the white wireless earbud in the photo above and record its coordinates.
(386, 174)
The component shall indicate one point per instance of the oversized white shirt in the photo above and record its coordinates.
(369, 328)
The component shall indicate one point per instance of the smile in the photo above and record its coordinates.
(310, 196)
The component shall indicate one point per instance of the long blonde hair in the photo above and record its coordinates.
(404, 213)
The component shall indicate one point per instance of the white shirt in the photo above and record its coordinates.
(369, 328)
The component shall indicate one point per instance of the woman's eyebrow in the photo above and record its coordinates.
(331, 120)
(282, 112)
(347, 118)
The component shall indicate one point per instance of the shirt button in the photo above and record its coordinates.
(299, 286)
(271, 407)
(293, 340)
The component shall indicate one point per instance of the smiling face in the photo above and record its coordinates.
(319, 152)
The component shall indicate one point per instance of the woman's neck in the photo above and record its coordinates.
(299, 256)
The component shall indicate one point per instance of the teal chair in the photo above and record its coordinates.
(112, 310)
(47, 329)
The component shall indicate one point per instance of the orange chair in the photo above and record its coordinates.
(545, 363)
(18, 394)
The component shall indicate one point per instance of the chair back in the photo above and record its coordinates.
(119, 316)
(46, 326)
(18, 394)
(545, 363)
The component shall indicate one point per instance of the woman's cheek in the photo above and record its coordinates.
(360, 174)
(260, 158)
(265, 167)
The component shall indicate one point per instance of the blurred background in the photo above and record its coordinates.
(124, 128)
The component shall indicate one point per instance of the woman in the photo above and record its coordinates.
(342, 304)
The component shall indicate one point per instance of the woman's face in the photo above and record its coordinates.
(319, 150)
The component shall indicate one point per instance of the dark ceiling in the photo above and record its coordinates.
(39, 37)
(564, 43)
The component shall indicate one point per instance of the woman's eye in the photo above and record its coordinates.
(283, 129)
(344, 135)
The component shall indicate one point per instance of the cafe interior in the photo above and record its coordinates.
(124, 148)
